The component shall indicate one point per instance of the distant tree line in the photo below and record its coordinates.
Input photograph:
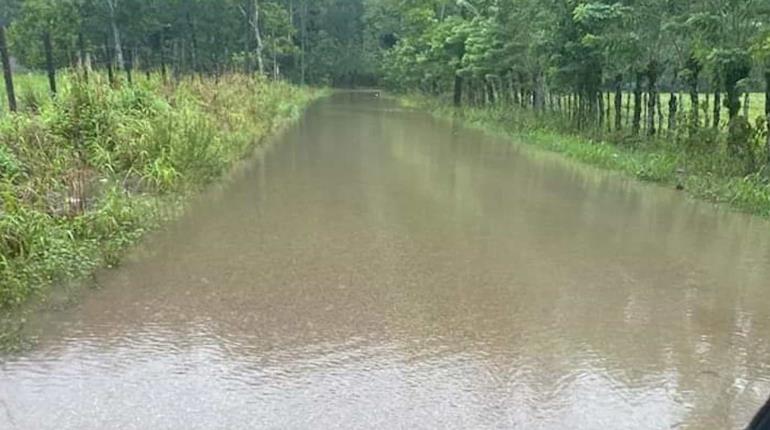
(599, 62)
(305, 41)
(633, 66)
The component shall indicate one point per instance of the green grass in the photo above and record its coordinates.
(84, 175)
(756, 107)
(31, 89)
(702, 165)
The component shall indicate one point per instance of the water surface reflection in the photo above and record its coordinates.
(381, 269)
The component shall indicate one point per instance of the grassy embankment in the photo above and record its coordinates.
(84, 175)
(699, 162)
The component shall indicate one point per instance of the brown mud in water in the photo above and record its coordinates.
(382, 269)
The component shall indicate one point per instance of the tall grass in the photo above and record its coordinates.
(81, 174)
(31, 91)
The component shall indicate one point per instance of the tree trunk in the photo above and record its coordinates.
(276, 70)
(628, 111)
(579, 108)
(303, 42)
(490, 92)
(539, 91)
(162, 52)
(290, 28)
(637, 104)
(767, 144)
(695, 105)
(108, 54)
(82, 56)
(181, 57)
(733, 101)
(707, 111)
(512, 89)
(767, 112)
(673, 106)
(652, 96)
(746, 105)
(129, 65)
(458, 90)
(175, 60)
(767, 94)
(717, 107)
(594, 108)
(7, 73)
(516, 89)
(248, 39)
(585, 108)
(193, 42)
(258, 39)
(111, 6)
(600, 111)
(618, 103)
(694, 66)
(49, 65)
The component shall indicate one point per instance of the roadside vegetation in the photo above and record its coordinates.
(85, 175)
(114, 113)
(671, 92)
(711, 175)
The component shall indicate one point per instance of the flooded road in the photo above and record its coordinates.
(377, 268)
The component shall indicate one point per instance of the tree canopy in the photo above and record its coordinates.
(531, 52)
(318, 41)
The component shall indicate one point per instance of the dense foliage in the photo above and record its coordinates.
(309, 41)
(667, 91)
(688, 73)
(528, 51)
(581, 47)
(600, 61)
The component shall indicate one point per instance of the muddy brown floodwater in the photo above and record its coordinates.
(378, 268)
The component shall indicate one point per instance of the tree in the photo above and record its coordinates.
(6, 64)
(761, 50)
(112, 8)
